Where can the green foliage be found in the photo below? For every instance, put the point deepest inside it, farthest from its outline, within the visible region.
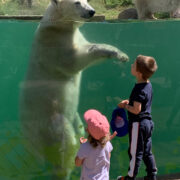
(118, 2)
(162, 15)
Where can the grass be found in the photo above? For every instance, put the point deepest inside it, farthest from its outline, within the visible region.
(12, 7)
(110, 11)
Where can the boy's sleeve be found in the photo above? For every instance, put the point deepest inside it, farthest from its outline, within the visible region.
(83, 151)
(140, 96)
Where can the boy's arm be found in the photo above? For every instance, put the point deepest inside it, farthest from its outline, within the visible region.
(78, 162)
(135, 109)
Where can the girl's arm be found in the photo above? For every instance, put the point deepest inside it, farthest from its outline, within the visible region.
(78, 162)
(113, 135)
(135, 109)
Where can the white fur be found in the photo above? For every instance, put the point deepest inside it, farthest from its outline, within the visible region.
(50, 92)
(146, 8)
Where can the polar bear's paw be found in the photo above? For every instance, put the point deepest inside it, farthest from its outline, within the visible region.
(122, 57)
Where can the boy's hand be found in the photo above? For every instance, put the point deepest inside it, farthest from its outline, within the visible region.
(123, 103)
(82, 140)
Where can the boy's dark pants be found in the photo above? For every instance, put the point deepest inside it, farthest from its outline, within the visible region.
(140, 146)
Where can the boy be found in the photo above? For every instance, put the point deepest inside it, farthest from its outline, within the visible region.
(140, 120)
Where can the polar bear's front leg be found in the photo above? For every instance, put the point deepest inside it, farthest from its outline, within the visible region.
(94, 53)
(106, 51)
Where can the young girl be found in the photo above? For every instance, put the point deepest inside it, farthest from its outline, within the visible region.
(94, 153)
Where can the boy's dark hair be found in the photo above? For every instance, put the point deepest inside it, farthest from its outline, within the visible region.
(146, 65)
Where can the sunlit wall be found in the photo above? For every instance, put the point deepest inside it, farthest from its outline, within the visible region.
(102, 87)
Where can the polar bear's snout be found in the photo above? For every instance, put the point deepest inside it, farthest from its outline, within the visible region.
(88, 14)
(91, 13)
(87, 11)
(84, 9)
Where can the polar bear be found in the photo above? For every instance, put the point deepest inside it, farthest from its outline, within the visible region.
(146, 8)
(176, 13)
(50, 91)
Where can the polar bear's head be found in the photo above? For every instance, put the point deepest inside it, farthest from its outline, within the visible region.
(72, 9)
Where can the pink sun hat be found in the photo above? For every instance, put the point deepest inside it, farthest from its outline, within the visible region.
(98, 125)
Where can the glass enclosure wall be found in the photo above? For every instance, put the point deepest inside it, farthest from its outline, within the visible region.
(102, 86)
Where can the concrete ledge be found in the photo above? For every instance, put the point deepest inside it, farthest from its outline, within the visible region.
(34, 17)
(167, 177)
(39, 17)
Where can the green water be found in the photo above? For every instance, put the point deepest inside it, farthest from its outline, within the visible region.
(102, 87)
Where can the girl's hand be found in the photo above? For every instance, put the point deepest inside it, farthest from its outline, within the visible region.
(113, 135)
(82, 140)
(123, 103)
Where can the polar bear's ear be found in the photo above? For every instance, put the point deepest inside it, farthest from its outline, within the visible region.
(54, 1)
